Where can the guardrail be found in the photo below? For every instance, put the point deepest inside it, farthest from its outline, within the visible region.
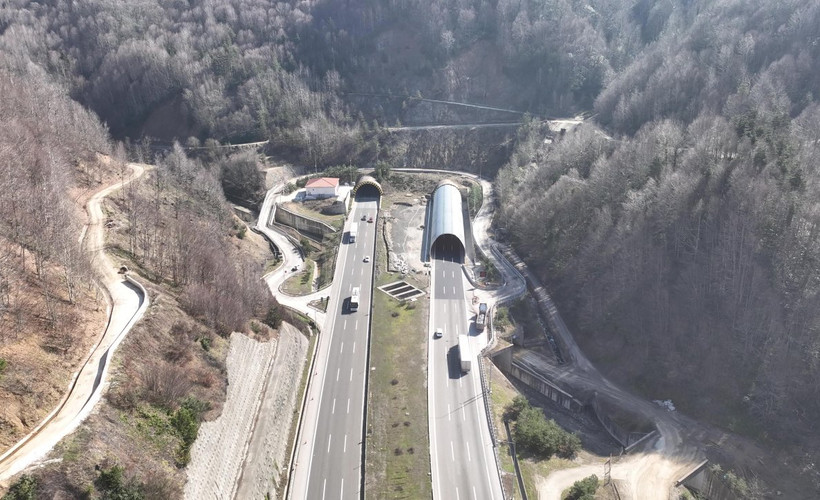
(485, 389)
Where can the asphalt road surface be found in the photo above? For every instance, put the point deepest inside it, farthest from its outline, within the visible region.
(462, 458)
(335, 467)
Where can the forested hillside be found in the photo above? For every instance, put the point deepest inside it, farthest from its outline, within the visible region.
(685, 249)
(677, 228)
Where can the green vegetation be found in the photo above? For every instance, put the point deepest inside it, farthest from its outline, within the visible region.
(301, 282)
(185, 422)
(475, 195)
(25, 488)
(583, 489)
(537, 435)
(3, 365)
(113, 485)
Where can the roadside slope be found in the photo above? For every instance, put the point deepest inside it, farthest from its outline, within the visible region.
(127, 302)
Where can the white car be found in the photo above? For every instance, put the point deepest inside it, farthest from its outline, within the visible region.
(438, 333)
(367, 258)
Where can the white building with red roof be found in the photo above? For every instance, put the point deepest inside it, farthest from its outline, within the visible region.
(322, 187)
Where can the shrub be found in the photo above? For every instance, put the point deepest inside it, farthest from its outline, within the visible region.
(114, 486)
(273, 318)
(185, 422)
(583, 489)
(514, 409)
(24, 489)
(542, 437)
(165, 384)
(3, 365)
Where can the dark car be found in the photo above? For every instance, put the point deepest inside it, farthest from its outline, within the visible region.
(364, 217)
(294, 268)
(370, 219)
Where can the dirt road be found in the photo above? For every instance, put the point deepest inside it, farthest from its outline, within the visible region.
(127, 302)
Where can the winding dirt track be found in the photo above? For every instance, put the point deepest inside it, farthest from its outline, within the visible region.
(127, 301)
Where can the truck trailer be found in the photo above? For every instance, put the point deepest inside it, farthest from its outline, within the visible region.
(481, 317)
(465, 354)
(351, 235)
(354, 300)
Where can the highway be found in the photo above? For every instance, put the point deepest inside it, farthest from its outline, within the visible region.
(462, 459)
(336, 455)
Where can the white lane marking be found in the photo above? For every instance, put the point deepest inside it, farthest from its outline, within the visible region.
(354, 347)
(443, 291)
(362, 273)
(452, 451)
(453, 274)
(337, 374)
(352, 270)
(468, 451)
(342, 349)
(454, 290)
(348, 405)
(329, 439)
(344, 325)
(448, 411)
(458, 497)
(474, 495)
(342, 490)
(344, 447)
(351, 374)
(333, 410)
(324, 485)
(463, 413)
(460, 381)
(442, 273)
(357, 325)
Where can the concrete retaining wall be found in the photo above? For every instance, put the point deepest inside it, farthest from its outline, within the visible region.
(708, 485)
(536, 381)
(301, 223)
(625, 438)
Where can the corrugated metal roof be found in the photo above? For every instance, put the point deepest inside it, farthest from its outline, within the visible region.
(447, 213)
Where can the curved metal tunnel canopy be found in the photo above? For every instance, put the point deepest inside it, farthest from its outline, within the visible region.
(447, 215)
(368, 183)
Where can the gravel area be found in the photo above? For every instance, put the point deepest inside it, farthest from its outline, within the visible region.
(405, 221)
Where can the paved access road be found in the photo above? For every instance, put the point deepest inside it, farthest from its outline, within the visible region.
(462, 458)
(335, 465)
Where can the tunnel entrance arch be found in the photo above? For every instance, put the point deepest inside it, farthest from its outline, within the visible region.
(447, 223)
(367, 188)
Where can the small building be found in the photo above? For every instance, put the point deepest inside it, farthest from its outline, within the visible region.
(322, 187)
(342, 202)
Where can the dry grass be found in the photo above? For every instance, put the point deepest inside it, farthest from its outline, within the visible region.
(398, 458)
(301, 282)
(313, 209)
(41, 350)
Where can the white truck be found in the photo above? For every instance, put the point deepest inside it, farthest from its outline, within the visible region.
(351, 235)
(481, 317)
(465, 354)
(354, 300)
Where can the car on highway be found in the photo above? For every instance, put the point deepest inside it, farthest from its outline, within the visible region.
(370, 219)
(364, 217)
(294, 268)
(438, 334)
(367, 258)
